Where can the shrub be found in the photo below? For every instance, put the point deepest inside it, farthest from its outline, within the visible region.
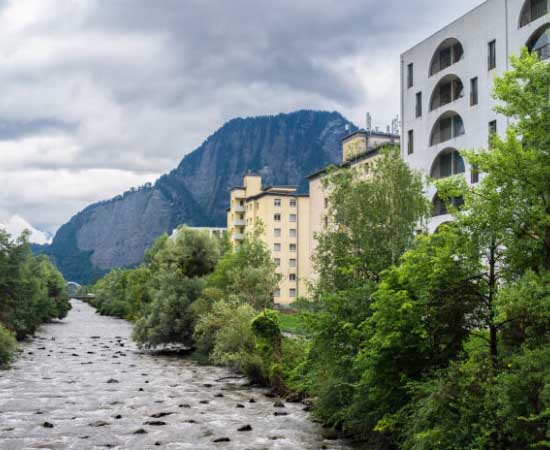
(8, 347)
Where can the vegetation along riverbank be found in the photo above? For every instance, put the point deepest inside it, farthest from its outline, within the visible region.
(410, 341)
(32, 291)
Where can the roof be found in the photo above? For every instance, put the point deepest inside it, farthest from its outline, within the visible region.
(375, 133)
(363, 156)
(275, 194)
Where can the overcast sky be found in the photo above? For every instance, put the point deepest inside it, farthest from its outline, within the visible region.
(101, 95)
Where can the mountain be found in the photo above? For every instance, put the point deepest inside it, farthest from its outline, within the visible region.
(16, 224)
(284, 149)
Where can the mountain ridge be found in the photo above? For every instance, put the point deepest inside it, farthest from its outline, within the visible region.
(283, 148)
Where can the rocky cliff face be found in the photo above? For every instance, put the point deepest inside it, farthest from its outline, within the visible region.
(284, 149)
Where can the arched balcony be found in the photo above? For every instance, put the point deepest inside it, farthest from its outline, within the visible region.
(448, 90)
(532, 10)
(440, 206)
(448, 53)
(540, 42)
(446, 164)
(449, 125)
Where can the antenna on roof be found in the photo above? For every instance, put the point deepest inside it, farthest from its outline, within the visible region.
(369, 122)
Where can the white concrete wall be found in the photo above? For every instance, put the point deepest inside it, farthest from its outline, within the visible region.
(493, 20)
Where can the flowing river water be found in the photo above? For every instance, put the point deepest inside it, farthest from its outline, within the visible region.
(82, 384)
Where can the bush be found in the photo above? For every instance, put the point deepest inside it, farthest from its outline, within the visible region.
(8, 347)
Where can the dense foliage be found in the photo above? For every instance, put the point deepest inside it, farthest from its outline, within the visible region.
(32, 291)
(444, 343)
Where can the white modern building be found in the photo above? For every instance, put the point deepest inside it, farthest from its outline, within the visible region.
(447, 82)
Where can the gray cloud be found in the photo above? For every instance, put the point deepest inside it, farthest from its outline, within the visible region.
(125, 88)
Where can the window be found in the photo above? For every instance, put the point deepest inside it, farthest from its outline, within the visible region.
(292, 232)
(277, 232)
(410, 142)
(277, 293)
(448, 126)
(277, 217)
(292, 248)
(276, 247)
(293, 203)
(292, 262)
(292, 217)
(540, 42)
(410, 75)
(292, 276)
(448, 163)
(475, 175)
(473, 92)
(292, 292)
(492, 128)
(449, 89)
(277, 202)
(277, 261)
(440, 206)
(418, 104)
(326, 202)
(325, 220)
(492, 57)
(533, 10)
(448, 53)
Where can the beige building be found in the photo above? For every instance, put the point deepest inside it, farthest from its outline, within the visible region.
(359, 151)
(284, 215)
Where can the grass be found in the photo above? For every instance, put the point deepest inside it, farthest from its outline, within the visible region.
(291, 323)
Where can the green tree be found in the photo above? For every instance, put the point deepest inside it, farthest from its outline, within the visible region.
(372, 221)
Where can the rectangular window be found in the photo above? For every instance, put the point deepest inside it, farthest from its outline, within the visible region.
(292, 218)
(292, 292)
(292, 232)
(277, 202)
(419, 104)
(292, 248)
(277, 232)
(492, 56)
(292, 276)
(293, 203)
(326, 202)
(277, 217)
(292, 262)
(277, 293)
(492, 128)
(276, 247)
(475, 175)
(410, 75)
(473, 92)
(277, 261)
(325, 220)
(410, 142)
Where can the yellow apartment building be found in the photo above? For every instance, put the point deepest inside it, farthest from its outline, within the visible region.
(360, 150)
(285, 217)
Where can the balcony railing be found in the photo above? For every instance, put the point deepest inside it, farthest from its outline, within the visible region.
(238, 208)
(238, 236)
(239, 222)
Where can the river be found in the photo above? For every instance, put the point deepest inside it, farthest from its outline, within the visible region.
(82, 384)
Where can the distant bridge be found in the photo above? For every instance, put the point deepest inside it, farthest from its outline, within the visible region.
(75, 291)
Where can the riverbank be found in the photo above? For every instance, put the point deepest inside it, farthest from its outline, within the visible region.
(82, 384)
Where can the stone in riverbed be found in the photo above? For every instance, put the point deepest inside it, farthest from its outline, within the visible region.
(278, 404)
(140, 431)
(47, 425)
(222, 439)
(280, 413)
(155, 423)
(111, 381)
(161, 414)
(245, 428)
(99, 423)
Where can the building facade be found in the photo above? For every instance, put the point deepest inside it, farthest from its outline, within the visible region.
(447, 83)
(360, 150)
(284, 216)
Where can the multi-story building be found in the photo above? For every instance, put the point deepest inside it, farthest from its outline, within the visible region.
(359, 150)
(447, 82)
(284, 216)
